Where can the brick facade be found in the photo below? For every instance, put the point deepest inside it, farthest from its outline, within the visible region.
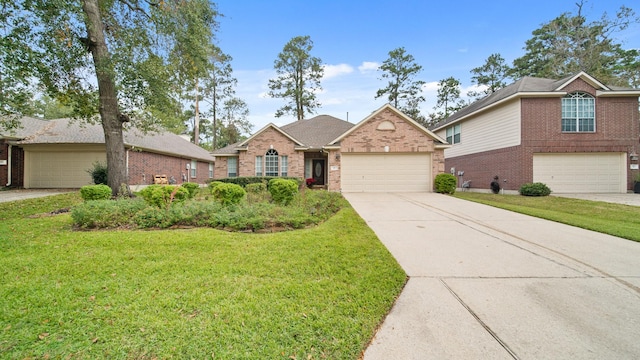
(144, 165)
(271, 138)
(17, 165)
(617, 130)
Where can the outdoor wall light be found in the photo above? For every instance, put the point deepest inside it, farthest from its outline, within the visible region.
(337, 156)
(386, 148)
(633, 157)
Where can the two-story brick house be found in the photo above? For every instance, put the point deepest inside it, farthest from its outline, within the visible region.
(385, 152)
(575, 135)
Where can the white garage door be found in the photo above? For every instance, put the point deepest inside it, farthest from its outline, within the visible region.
(386, 172)
(581, 172)
(60, 169)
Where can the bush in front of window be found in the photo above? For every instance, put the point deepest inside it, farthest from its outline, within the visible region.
(282, 190)
(445, 183)
(192, 188)
(228, 194)
(246, 180)
(95, 192)
(534, 189)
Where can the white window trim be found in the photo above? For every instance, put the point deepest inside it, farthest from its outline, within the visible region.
(194, 165)
(575, 100)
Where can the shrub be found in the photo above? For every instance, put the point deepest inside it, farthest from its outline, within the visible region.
(98, 173)
(256, 188)
(228, 194)
(162, 196)
(213, 184)
(282, 191)
(106, 213)
(534, 189)
(445, 183)
(95, 192)
(246, 180)
(192, 188)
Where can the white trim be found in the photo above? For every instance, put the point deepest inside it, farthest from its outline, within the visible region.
(586, 77)
(611, 93)
(269, 125)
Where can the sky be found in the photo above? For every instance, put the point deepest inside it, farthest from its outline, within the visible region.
(353, 37)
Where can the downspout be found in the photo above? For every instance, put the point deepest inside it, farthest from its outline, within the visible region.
(9, 165)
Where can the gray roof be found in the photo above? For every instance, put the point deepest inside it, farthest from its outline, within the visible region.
(313, 133)
(317, 131)
(527, 84)
(67, 131)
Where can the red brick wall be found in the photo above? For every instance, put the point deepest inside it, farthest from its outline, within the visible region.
(259, 146)
(3, 168)
(617, 130)
(143, 166)
(17, 165)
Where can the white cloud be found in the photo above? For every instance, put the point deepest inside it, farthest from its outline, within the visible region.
(463, 50)
(368, 66)
(336, 70)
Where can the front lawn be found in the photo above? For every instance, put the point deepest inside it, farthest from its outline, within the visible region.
(614, 219)
(196, 293)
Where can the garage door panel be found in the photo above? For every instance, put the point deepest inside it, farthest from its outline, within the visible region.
(581, 172)
(61, 169)
(386, 172)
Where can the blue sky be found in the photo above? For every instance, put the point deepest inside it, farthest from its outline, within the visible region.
(353, 37)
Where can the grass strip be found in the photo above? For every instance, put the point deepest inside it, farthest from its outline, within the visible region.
(608, 218)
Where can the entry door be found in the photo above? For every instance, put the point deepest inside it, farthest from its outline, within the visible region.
(318, 171)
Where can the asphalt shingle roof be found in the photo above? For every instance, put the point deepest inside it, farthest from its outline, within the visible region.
(317, 131)
(67, 131)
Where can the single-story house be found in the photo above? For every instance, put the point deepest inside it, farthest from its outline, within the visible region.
(385, 152)
(576, 135)
(58, 153)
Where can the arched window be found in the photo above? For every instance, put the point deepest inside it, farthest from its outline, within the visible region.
(271, 163)
(578, 113)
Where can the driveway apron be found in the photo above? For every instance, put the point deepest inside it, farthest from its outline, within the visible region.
(486, 283)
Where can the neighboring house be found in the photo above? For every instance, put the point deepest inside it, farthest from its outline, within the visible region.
(58, 153)
(575, 135)
(385, 152)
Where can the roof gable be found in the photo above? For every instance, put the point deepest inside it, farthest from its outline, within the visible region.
(274, 127)
(584, 76)
(400, 114)
(317, 131)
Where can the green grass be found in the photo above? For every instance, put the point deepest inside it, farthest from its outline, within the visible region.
(198, 293)
(614, 219)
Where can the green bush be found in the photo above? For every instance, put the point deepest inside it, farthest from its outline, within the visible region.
(162, 196)
(256, 188)
(228, 194)
(534, 189)
(246, 180)
(98, 173)
(106, 213)
(213, 184)
(445, 183)
(95, 192)
(282, 190)
(192, 188)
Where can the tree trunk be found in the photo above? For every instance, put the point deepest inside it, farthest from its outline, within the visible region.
(109, 113)
(196, 120)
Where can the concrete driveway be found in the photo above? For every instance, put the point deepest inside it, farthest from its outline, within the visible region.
(486, 283)
(22, 194)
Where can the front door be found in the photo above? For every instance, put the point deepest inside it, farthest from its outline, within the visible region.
(318, 171)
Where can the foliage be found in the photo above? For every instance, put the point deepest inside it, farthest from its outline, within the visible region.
(245, 180)
(492, 75)
(282, 190)
(106, 213)
(98, 173)
(298, 79)
(448, 101)
(534, 189)
(445, 183)
(116, 292)
(613, 219)
(115, 56)
(256, 188)
(162, 196)
(192, 188)
(569, 44)
(403, 91)
(95, 192)
(228, 194)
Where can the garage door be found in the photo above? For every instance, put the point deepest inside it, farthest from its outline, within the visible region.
(386, 172)
(581, 172)
(60, 169)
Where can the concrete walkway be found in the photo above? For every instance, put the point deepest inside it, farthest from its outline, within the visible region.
(22, 194)
(486, 283)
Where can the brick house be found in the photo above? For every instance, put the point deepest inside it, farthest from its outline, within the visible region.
(575, 135)
(58, 153)
(385, 152)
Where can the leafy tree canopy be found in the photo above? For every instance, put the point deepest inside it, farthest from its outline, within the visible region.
(298, 80)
